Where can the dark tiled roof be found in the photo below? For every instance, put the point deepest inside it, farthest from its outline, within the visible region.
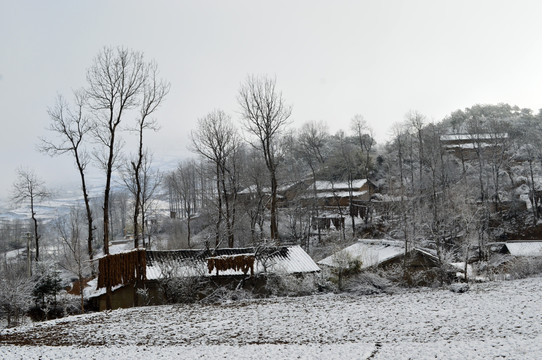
(182, 263)
(203, 254)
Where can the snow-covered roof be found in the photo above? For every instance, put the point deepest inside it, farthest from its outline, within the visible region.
(473, 137)
(184, 263)
(333, 194)
(370, 252)
(330, 185)
(252, 189)
(116, 247)
(468, 146)
(525, 248)
(91, 289)
(13, 254)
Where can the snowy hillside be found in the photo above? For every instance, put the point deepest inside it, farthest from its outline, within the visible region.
(497, 320)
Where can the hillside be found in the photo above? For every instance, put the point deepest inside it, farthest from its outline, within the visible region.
(492, 320)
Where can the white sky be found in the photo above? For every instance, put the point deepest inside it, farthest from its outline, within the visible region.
(332, 60)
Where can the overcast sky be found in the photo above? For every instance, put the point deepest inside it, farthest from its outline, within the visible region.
(331, 59)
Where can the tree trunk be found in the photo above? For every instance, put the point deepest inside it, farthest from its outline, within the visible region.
(229, 228)
(106, 217)
(534, 201)
(188, 228)
(350, 199)
(86, 198)
(314, 204)
(219, 206)
(137, 206)
(81, 288)
(137, 170)
(274, 224)
(36, 236)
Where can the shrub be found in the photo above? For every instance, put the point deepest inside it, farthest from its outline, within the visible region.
(291, 285)
(15, 298)
(45, 294)
(345, 266)
(187, 289)
(367, 283)
(523, 267)
(224, 294)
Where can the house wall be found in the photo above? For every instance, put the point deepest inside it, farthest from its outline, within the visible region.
(334, 201)
(124, 297)
(120, 298)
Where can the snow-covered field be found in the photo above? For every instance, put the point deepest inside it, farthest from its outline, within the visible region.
(497, 320)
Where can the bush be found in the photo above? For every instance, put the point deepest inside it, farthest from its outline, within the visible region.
(345, 266)
(520, 268)
(187, 289)
(367, 283)
(291, 285)
(15, 298)
(223, 294)
(65, 304)
(45, 293)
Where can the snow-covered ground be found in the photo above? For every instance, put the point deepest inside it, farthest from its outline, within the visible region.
(497, 320)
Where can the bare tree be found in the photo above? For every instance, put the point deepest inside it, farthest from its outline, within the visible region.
(216, 140)
(230, 189)
(142, 187)
(416, 120)
(73, 127)
(254, 197)
(183, 182)
(399, 148)
(265, 114)
(311, 146)
(364, 136)
(119, 213)
(70, 233)
(498, 130)
(151, 179)
(348, 162)
(529, 152)
(154, 92)
(28, 187)
(116, 81)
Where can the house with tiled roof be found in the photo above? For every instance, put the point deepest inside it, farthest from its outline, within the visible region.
(422, 265)
(338, 193)
(129, 271)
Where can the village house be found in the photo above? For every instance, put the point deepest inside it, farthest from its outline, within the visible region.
(466, 146)
(423, 266)
(129, 271)
(285, 193)
(325, 193)
(336, 200)
(334, 194)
